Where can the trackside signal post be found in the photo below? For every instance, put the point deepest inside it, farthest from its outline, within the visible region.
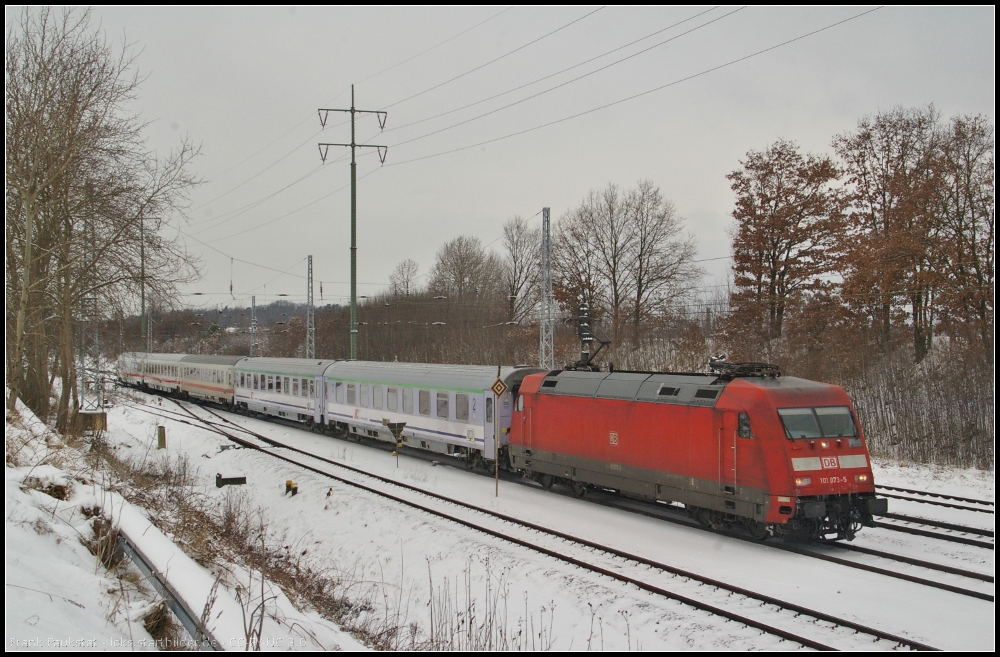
(382, 152)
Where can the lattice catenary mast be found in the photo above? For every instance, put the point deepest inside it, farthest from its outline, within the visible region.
(546, 346)
(310, 315)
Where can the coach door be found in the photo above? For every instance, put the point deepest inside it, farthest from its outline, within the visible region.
(727, 453)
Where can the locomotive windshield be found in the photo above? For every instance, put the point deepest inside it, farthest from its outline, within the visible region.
(822, 422)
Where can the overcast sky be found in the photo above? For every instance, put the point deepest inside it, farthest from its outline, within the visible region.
(246, 84)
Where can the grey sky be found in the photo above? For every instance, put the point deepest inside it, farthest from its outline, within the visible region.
(237, 80)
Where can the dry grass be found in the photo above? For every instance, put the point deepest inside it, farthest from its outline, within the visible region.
(218, 535)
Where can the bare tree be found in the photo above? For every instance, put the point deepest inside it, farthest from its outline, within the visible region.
(403, 279)
(614, 240)
(464, 271)
(83, 187)
(660, 265)
(576, 275)
(521, 246)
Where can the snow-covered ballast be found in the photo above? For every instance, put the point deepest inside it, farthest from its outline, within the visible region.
(449, 409)
(284, 387)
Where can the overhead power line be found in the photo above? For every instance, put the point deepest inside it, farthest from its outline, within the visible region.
(550, 75)
(492, 61)
(569, 82)
(339, 94)
(638, 95)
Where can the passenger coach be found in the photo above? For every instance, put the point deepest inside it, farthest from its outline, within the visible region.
(448, 409)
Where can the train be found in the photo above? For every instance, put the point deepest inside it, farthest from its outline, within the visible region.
(737, 446)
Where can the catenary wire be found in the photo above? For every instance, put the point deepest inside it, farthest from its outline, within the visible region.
(568, 82)
(634, 96)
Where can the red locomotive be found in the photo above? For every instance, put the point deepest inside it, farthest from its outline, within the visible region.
(743, 445)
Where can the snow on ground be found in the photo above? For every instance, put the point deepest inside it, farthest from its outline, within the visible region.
(963, 482)
(413, 557)
(58, 595)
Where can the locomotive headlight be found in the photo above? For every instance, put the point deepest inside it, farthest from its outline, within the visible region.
(803, 481)
(862, 478)
(825, 445)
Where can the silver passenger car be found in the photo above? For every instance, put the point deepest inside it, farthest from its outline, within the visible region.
(284, 387)
(449, 409)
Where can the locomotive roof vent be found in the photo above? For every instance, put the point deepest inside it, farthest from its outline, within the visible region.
(728, 371)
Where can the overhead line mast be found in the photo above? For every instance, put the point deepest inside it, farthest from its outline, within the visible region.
(382, 152)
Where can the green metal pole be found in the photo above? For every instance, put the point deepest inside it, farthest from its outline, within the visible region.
(142, 284)
(354, 241)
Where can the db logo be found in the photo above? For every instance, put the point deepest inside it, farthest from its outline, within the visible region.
(614, 438)
(829, 462)
(358, 410)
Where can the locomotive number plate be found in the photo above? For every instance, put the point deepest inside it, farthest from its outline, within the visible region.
(830, 462)
(614, 438)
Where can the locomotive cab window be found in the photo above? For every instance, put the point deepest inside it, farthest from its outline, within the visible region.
(836, 422)
(822, 422)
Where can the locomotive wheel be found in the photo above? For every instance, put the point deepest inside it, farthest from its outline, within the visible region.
(757, 529)
(546, 480)
(579, 489)
(703, 516)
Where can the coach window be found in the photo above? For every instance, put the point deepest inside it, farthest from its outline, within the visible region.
(312, 388)
(489, 409)
(408, 401)
(270, 382)
(365, 391)
(340, 392)
(391, 399)
(442, 404)
(377, 397)
(295, 387)
(307, 385)
(352, 397)
(424, 402)
(461, 407)
(277, 384)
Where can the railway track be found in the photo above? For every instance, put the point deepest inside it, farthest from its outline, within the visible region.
(615, 560)
(660, 512)
(942, 496)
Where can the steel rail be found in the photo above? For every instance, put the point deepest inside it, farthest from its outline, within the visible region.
(944, 504)
(589, 544)
(938, 535)
(941, 495)
(938, 523)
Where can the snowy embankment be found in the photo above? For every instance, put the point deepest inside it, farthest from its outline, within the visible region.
(60, 595)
